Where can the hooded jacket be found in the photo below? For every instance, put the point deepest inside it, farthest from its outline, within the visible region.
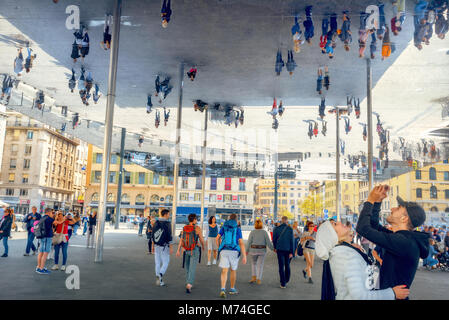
(402, 248)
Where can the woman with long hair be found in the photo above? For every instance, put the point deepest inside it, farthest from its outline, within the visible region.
(296, 236)
(308, 244)
(256, 246)
(211, 240)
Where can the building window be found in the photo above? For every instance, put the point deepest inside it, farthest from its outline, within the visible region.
(212, 197)
(12, 163)
(169, 199)
(140, 199)
(125, 198)
(243, 198)
(11, 178)
(141, 177)
(30, 135)
(228, 183)
(112, 176)
(418, 174)
(23, 192)
(419, 193)
(154, 198)
(213, 183)
(27, 149)
(97, 176)
(26, 163)
(242, 184)
(228, 198)
(197, 197)
(446, 194)
(25, 178)
(433, 192)
(446, 175)
(183, 196)
(9, 192)
(113, 159)
(14, 149)
(99, 158)
(432, 174)
(127, 177)
(155, 178)
(198, 183)
(185, 182)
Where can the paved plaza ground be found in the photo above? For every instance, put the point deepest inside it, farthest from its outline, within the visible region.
(127, 272)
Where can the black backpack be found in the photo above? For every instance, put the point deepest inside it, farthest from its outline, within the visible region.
(39, 230)
(161, 233)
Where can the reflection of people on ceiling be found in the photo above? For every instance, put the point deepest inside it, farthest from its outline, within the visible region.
(96, 96)
(237, 117)
(166, 13)
(140, 141)
(157, 85)
(310, 132)
(281, 109)
(192, 73)
(274, 109)
(242, 117)
(326, 78)
(279, 63)
(297, 36)
(149, 103)
(342, 147)
(308, 25)
(106, 43)
(291, 64)
(166, 116)
(315, 129)
(357, 108)
(345, 32)
(201, 105)
(322, 108)
(347, 125)
(157, 119)
(319, 81)
(275, 124)
(324, 128)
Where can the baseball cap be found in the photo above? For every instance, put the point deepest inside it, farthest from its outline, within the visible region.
(415, 212)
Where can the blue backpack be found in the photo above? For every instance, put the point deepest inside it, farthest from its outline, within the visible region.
(229, 238)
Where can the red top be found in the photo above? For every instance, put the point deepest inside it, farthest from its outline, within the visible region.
(323, 40)
(315, 132)
(59, 227)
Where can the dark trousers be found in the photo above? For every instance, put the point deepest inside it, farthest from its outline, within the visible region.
(150, 245)
(284, 266)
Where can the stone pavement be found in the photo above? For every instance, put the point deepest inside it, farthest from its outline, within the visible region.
(128, 273)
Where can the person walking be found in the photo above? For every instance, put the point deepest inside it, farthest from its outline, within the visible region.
(403, 246)
(75, 51)
(283, 243)
(256, 247)
(141, 221)
(319, 81)
(166, 13)
(297, 35)
(291, 64)
(308, 25)
(96, 95)
(230, 247)
(18, 63)
(45, 226)
(29, 220)
(386, 45)
(149, 233)
(29, 60)
(279, 63)
(192, 73)
(308, 244)
(77, 223)
(348, 273)
(72, 81)
(212, 248)
(85, 222)
(91, 230)
(162, 239)
(106, 43)
(346, 35)
(84, 51)
(296, 237)
(5, 230)
(190, 236)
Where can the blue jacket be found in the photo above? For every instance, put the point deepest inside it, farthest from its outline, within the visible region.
(284, 242)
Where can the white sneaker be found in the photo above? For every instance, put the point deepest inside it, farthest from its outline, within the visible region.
(208, 263)
(55, 267)
(215, 262)
(63, 268)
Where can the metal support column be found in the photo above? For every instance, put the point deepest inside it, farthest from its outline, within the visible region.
(109, 117)
(369, 113)
(177, 148)
(203, 182)
(337, 172)
(275, 209)
(120, 180)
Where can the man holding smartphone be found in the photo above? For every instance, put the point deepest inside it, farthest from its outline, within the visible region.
(403, 246)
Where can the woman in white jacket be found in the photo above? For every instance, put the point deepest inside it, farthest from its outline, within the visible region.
(353, 276)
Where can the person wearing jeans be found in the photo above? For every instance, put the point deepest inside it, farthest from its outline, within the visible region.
(5, 230)
(30, 219)
(191, 257)
(256, 246)
(141, 221)
(283, 243)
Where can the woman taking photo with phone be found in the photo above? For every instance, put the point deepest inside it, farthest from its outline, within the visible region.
(308, 244)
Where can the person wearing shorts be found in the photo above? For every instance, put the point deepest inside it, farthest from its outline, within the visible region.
(46, 242)
(308, 243)
(230, 258)
(212, 240)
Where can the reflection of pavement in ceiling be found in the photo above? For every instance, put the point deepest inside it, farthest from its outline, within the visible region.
(235, 48)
